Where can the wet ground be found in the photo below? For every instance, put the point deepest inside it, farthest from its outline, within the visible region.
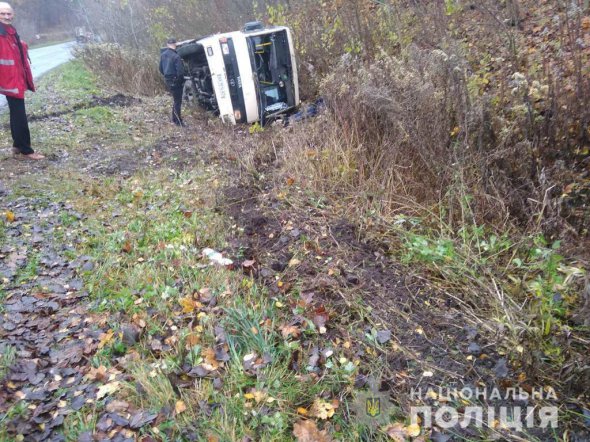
(424, 337)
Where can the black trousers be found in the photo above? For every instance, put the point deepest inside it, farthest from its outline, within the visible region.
(19, 125)
(176, 91)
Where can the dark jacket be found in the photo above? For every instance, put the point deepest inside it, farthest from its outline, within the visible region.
(171, 67)
(15, 71)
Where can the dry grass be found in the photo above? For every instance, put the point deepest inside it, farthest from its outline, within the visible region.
(126, 70)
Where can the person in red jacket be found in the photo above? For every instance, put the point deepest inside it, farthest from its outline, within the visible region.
(15, 79)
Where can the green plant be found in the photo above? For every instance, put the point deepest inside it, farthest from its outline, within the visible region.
(7, 358)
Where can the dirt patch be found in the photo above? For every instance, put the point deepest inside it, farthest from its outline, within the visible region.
(118, 100)
(430, 338)
(172, 152)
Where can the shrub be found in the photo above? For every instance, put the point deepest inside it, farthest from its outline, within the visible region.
(126, 70)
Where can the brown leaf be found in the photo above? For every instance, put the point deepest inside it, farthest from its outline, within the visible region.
(290, 330)
(211, 362)
(320, 317)
(127, 247)
(396, 432)
(248, 263)
(97, 374)
(307, 431)
(117, 406)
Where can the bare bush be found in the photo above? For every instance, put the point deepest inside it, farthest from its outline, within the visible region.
(126, 70)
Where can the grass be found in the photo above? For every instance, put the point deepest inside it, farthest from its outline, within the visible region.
(145, 233)
(7, 358)
(141, 255)
(65, 86)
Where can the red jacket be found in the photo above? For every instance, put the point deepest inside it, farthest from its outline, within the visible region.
(15, 71)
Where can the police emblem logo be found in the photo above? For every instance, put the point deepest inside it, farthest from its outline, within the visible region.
(373, 406)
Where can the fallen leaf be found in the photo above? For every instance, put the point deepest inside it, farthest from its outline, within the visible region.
(142, 418)
(320, 317)
(396, 432)
(383, 336)
(107, 389)
(307, 431)
(188, 304)
(179, 407)
(117, 406)
(322, 409)
(211, 362)
(413, 430)
(105, 338)
(97, 374)
(259, 396)
(290, 330)
(127, 247)
(10, 216)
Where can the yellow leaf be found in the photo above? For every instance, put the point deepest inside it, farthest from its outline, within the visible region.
(187, 304)
(107, 389)
(105, 338)
(413, 430)
(180, 407)
(10, 216)
(322, 409)
(259, 396)
(302, 411)
(249, 396)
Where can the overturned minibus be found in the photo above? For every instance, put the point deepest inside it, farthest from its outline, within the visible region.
(245, 76)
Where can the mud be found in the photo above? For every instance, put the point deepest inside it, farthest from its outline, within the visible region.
(436, 341)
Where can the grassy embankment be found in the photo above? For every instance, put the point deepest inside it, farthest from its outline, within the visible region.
(145, 230)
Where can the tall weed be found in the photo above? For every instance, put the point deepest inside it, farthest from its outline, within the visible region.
(123, 69)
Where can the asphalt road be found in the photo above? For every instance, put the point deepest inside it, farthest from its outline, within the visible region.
(45, 59)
